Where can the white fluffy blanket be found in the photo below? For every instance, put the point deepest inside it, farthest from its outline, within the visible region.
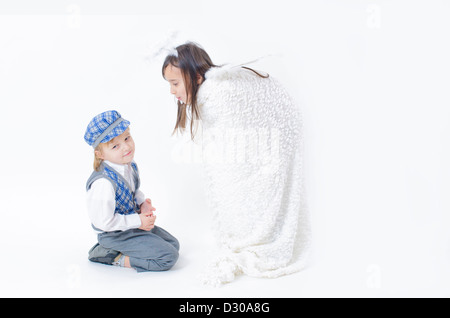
(252, 147)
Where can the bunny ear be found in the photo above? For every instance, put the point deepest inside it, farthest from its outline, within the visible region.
(166, 45)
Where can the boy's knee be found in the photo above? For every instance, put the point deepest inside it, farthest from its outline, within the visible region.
(176, 244)
(171, 260)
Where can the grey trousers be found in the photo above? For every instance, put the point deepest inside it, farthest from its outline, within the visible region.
(155, 250)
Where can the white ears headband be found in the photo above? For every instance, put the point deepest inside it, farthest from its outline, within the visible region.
(164, 46)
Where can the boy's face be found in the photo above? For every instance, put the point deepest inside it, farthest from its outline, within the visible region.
(120, 150)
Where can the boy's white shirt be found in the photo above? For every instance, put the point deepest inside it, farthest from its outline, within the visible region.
(101, 203)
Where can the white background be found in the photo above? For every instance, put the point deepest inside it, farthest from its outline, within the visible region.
(372, 79)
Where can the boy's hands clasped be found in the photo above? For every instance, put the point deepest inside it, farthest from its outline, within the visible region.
(147, 216)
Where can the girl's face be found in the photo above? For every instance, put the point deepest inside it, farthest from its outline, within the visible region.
(120, 150)
(173, 75)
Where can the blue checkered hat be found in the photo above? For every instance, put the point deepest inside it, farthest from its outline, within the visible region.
(105, 127)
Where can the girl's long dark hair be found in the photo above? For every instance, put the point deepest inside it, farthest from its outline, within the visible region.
(193, 61)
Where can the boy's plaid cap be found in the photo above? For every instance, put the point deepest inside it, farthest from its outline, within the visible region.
(105, 127)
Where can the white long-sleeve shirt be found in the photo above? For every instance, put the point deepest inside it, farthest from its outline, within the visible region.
(101, 203)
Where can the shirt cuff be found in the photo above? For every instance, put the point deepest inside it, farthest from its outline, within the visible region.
(140, 197)
(135, 221)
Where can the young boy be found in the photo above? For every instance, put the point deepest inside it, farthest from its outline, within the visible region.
(119, 212)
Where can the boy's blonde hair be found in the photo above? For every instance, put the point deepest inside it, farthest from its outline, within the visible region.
(97, 161)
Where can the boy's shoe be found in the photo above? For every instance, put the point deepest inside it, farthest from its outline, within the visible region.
(99, 254)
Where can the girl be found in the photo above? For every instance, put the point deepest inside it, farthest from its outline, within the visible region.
(251, 143)
(118, 210)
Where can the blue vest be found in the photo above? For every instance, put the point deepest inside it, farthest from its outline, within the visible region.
(125, 201)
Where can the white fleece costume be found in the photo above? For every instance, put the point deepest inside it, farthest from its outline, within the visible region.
(252, 147)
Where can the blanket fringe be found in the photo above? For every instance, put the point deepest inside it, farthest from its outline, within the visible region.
(222, 270)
